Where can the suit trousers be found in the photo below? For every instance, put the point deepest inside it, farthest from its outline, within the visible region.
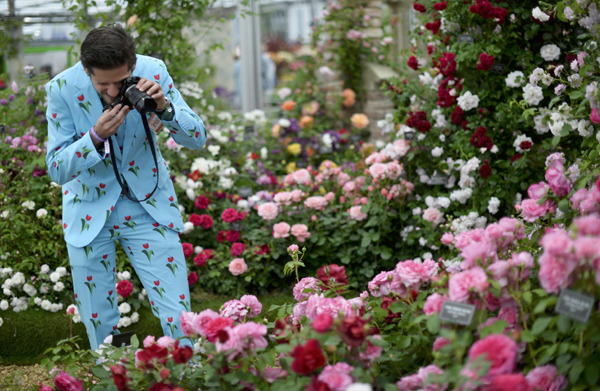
(156, 255)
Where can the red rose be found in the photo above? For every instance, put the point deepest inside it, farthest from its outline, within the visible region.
(419, 7)
(194, 219)
(221, 236)
(201, 202)
(229, 215)
(237, 249)
(192, 278)
(200, 259)
(515, 157)
(206, 221)
(119, 375)
(526, 145)
(440, 6)
(188, 249)
(183, 354)
(124, 288)
(241, 216)
(352, 330)
(232, 236)
(485, 62)
(151, 354)
(332, 274)
(260, 250)
(485, 171)
(413, 63)
(161, 387)
(322, 322)
(308, 357)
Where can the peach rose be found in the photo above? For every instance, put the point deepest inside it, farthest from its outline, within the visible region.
(359, 121)
(349, 97)
(306, 121)
(275, 130)
(300, 231)
(237, 266)
(281, 230)
(310, 108)
(288, 105)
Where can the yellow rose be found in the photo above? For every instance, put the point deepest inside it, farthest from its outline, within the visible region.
(295, 149)
(359, 121)
(291, 167)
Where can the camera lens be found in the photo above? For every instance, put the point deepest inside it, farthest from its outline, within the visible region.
(140, 100)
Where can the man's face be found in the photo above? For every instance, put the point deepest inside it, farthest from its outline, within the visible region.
(107, 82)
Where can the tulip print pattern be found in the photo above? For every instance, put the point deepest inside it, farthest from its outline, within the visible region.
(160, 230)
(129, 223)
(160, 290)
(91, 285)
(173, 327)
(105, 262)
(84, 105)
(84, 223)
(148, 253)
(172, 266)
(111, 299)
(184, 303)
(95, 322)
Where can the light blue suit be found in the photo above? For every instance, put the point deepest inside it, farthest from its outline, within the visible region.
(96, 215)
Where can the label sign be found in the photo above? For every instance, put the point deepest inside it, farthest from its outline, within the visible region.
(457, 313)
(574, 305)
(301, 164)
(409, 135)
(236, 225)
(497, 68)
(579, 32)
(466, 38)
(325, 150)
(438, 180)
(355, 138)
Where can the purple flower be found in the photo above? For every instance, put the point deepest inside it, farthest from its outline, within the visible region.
(30, 100)
(11, 97)
(3, 102)
(37, 172)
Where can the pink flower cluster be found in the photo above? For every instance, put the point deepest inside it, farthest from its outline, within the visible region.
(425, 374)
(241, 338)
(299, 177)
(407, 276)
(318, 304)
(306, 283)
(28, 141)
(337, 377)
(247, 306)
(283, 229)
(288, 197)
(268, 210)
(569, 254)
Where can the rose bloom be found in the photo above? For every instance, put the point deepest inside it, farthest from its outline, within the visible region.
(546, 378)
(229, 215)
(65, 382)
(232, 236)
(119, 375)
(237, 266)
(252, 302)
(537, 191)
(268, 211)
(297, 195)
(300, 231)
(188, 249)
(500, 350)
(206, 221)
(124, 288)
(357, 214)
(306, 121)
(281, 230)
(337, 376)
(310, 108)
(288, 105)
(283, 198)
(212, 327)
(447, 238)
(507, 382)
(302, 176)
(380, 285)
(433, 304)
(440, 342)
(237, 249)
(531, 211)
(378, 170)
(433, 215)
(308, 358)
(305, 283)
(558, 182)
(315, 202)
(359, 121)
(322, 322)
(372, 351)
(201, 202)
(349, 97)
(460, 284)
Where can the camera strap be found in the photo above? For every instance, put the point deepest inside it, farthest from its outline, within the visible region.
(125, 189)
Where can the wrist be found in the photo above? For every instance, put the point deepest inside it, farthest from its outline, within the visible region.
(96, 136)
(163, 106)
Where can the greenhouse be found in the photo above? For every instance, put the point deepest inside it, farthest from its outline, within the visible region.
(310, 195)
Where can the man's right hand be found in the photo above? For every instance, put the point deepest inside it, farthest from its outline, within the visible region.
(109, 122)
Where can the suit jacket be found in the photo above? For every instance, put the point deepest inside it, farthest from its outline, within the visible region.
(89, 186)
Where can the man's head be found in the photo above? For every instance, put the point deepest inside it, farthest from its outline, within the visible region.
(108, 57)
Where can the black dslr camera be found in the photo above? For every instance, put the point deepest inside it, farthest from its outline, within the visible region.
(130, 96)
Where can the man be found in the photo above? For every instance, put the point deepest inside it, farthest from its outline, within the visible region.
(96, 208)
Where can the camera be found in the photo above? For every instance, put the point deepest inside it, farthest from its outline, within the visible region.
(130, 96)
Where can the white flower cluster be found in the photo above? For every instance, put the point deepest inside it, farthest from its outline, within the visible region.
(538, 75)
(440, 119)
(493, 205)
(468, 222)
(405, 231)
(386, 125)
(438, 203)
(256, 117)
(515, 79)
(191, 89)
(533, 95)
(468, 101)
(461, 195)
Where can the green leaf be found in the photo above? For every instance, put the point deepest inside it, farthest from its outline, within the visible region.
(592, 375)
(575, 372)
(563, 205)
(366, 241)
(527, 297)
(495, 328)
(555, 140)
(576, 95)
(527, 336)
(541, 307)
(398, 306)
(540, 325)
(433, 324)
(563, 324)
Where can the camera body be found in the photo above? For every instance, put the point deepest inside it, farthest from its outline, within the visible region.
(130, 96)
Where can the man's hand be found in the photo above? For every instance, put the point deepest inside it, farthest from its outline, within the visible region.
(109, 122)
(155, 91)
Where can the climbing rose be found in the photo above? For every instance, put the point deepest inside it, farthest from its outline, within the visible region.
(124, 288)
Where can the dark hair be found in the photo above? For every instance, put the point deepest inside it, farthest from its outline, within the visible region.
(107, 47)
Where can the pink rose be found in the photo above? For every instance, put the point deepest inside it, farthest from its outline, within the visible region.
(558, 182)
(531, 211)
(412, 274)
(201, 320)
(252, 302)
(538, 191)
(322, 323)
(546, 378)
(478, 251)
(500, 350)
(65, 382)
(588, 225)
(316, 202)
(393, 170)
(557, 242)
(149, 340)
(268, 211)
(378, 171)
(306, 283)
(510, 315)
(447, 238)
(595, 116)
(433, 215)
(372, 351)
(234, 309)
(513, 225)
(579, 196)
(283, 198)
(357, 214)
(401, 147)
(460, 284)
(381, 284)
(553, 275)
(297, 195)
(165, 341)
(349, 187)
(337, 376)
(494, 231)
(281, 230)
(330, 196)
(433, 304)
(293, 248)
(440, 342)
(302, 176)
(237, 266)
(300, 231)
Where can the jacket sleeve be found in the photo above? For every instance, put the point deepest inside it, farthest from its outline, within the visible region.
(186, 127)
(68, 155)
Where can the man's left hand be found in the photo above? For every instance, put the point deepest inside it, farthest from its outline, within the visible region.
(155, 91)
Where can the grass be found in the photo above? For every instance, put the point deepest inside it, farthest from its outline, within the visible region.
(27, 334)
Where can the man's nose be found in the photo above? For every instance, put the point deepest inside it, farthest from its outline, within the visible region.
(113, 91)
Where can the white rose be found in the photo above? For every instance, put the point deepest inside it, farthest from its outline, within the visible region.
(533, 95)
(44, 269)
(28, 205)
(550, 52)
(124, 308)
(41, 212)
(437, 151)
(539, 15)
(62, 271)
(187, 227)
(59, 286)
(4, 215)
(514, 79)
(468, 101)
(214, 149)
(3, 305)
